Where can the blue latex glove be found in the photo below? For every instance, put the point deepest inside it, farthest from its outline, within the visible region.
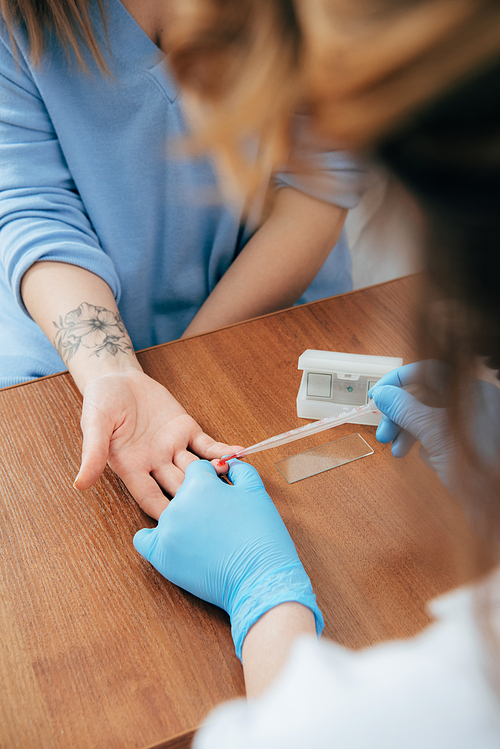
(406, 419)
(228, 545)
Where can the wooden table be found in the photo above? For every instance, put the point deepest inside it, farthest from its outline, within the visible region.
(97, 649)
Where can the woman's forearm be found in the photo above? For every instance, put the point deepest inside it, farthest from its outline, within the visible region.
(278, 263)
(129, 421)
(268, 643)
(77, 312)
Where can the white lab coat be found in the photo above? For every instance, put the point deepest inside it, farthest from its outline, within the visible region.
(428, 692)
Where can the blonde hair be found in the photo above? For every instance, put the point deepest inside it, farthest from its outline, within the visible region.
(240, 67)
(361, 68)
(69, 20)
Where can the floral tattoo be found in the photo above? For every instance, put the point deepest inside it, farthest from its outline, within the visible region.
(95, 328)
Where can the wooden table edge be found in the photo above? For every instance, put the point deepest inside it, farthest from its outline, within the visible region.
(179, 741)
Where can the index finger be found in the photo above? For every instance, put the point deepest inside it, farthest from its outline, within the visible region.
(430, 373)
(399, 377)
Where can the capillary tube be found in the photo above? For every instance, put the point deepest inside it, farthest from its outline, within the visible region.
(305, 431)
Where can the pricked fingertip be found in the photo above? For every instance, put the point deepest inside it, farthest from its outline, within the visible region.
(220, 466)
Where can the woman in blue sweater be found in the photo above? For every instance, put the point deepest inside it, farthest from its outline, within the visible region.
(109, 244)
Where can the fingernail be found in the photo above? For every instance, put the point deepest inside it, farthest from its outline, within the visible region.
(74, 482)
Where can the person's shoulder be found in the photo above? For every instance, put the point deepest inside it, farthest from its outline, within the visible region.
(14, 45)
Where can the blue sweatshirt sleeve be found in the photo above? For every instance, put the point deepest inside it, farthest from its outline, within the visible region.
(41, 214)
(333, 176)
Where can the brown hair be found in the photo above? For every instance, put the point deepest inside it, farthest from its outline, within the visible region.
(69, 20)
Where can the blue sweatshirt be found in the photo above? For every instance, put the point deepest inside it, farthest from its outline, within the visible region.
(85, 179)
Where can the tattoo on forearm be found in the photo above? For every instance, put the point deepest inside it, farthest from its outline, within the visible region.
(95, 328)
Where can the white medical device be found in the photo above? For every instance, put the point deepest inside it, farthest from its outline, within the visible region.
(334, 382)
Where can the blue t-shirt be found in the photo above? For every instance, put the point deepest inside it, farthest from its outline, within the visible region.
(85, 178)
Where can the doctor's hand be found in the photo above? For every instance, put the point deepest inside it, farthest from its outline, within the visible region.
(135, 425)
(406, 420)
(229, 546)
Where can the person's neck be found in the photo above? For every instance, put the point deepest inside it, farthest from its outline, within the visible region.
(153, 17)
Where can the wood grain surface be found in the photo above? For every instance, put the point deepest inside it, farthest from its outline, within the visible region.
(97, 650)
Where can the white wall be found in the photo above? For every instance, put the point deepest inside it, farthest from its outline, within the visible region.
(384, 233)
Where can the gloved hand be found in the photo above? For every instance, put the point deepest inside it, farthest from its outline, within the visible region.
(228, 545)
(406, 419)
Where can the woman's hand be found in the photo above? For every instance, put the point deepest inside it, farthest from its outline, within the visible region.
(228, 545)
(135, 425)
(129, 421)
